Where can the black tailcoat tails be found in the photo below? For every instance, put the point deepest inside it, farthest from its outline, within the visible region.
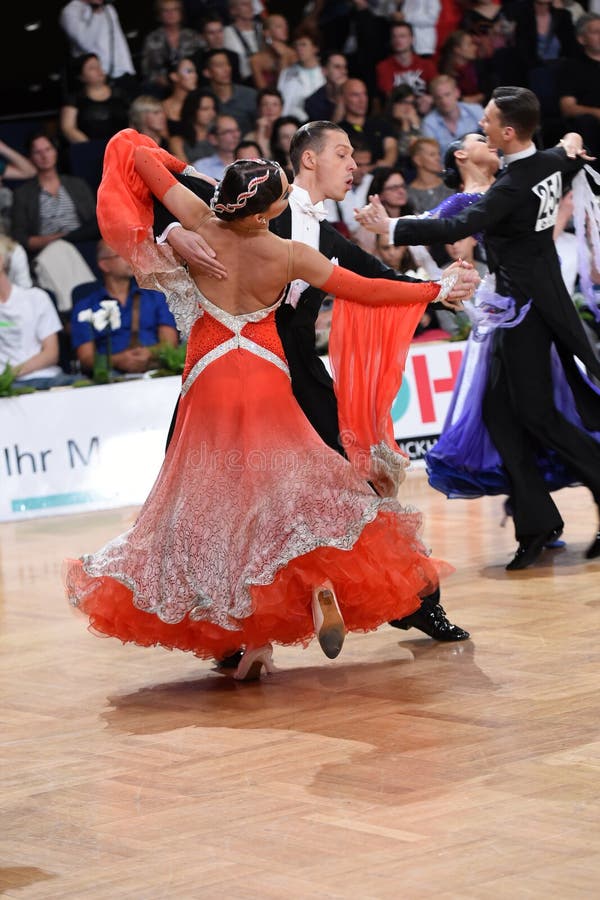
(517, 216)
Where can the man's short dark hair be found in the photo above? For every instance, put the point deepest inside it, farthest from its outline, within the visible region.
(214, 51)
(35, 136)
(407, 25)
(519, 109)
(246, 145)
(325, 57)
(310, 136)
(269, 92)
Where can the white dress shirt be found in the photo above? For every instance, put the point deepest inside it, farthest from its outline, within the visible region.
(306, 229)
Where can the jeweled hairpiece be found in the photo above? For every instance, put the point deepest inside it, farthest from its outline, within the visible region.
(242, 198)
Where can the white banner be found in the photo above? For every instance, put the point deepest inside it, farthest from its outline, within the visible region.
(74, 450)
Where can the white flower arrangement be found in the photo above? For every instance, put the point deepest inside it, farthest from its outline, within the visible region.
(106, 319)
(109, 315)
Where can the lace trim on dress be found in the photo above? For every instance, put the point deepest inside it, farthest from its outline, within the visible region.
(235, 323)
(189, 598)
(181, 294)
(387, 469)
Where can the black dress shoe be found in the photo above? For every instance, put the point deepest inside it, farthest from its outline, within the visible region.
(432, 620)
(593, 551)
(528, 550)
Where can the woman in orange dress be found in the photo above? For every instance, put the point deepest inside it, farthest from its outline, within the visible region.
(255, 531)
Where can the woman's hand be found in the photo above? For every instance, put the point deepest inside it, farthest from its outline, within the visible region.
(467, 280)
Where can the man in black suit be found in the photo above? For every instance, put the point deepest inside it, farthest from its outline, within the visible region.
(321, 155)
(517, 216)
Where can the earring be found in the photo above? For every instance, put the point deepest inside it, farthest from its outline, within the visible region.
(262, 220)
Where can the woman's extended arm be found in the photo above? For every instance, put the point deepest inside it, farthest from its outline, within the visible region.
(312, 266)
(156, 167)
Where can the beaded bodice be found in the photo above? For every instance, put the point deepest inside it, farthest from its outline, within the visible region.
(217, 333)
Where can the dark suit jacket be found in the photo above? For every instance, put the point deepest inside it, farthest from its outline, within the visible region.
(311, 382)
(26, 210)
(516, 216)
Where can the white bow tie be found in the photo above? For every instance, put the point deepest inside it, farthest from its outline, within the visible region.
(311, 209)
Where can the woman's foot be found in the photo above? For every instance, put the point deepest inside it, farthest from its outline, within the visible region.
(252, 662)
(329, 624)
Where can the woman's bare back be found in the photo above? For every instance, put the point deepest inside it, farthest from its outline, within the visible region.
(257, 263)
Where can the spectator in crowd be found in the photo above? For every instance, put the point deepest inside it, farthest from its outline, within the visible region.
(248, 150)
(403, 66)
(29, 327)
(183, 79)
(390, 186)
(284, 130)
(298, 82)
(16, 262)
(147, 115)
(450, 117)
(543, 35)
(492, 31)
(458, 59)
(354, 29)
(401, 113)
(16, 167)
(465, 249)
(566, 242)
(449, 19)
(426, 189)
(483, 19)
(166, 46)
(575, 9)
(93, 26)
(423, 16)
(579, 85)
(327, 102)
(224, 136)
(198, 114)
(235, 100)
(276, 53)
(269, 109)
(375, 130)
(243, 36)
(145, 319)
(52, 206)
(95, 111)
(212, 33)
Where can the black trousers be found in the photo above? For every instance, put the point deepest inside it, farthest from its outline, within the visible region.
(519, 413)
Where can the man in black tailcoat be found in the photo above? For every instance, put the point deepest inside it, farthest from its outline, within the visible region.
(321, 154)
(517, 216)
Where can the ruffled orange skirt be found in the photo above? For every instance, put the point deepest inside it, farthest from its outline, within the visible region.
(249, 512)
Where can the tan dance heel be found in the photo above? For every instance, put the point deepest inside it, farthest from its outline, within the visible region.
(252, 662)
(329, 624)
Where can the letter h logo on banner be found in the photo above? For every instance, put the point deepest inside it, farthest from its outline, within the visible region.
(427, 387)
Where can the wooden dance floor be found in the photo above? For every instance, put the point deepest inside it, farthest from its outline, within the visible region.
(403, 769)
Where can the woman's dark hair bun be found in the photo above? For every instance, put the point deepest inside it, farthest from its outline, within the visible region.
(248, 186)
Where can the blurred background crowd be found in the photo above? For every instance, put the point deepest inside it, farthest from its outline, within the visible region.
(219, 80)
